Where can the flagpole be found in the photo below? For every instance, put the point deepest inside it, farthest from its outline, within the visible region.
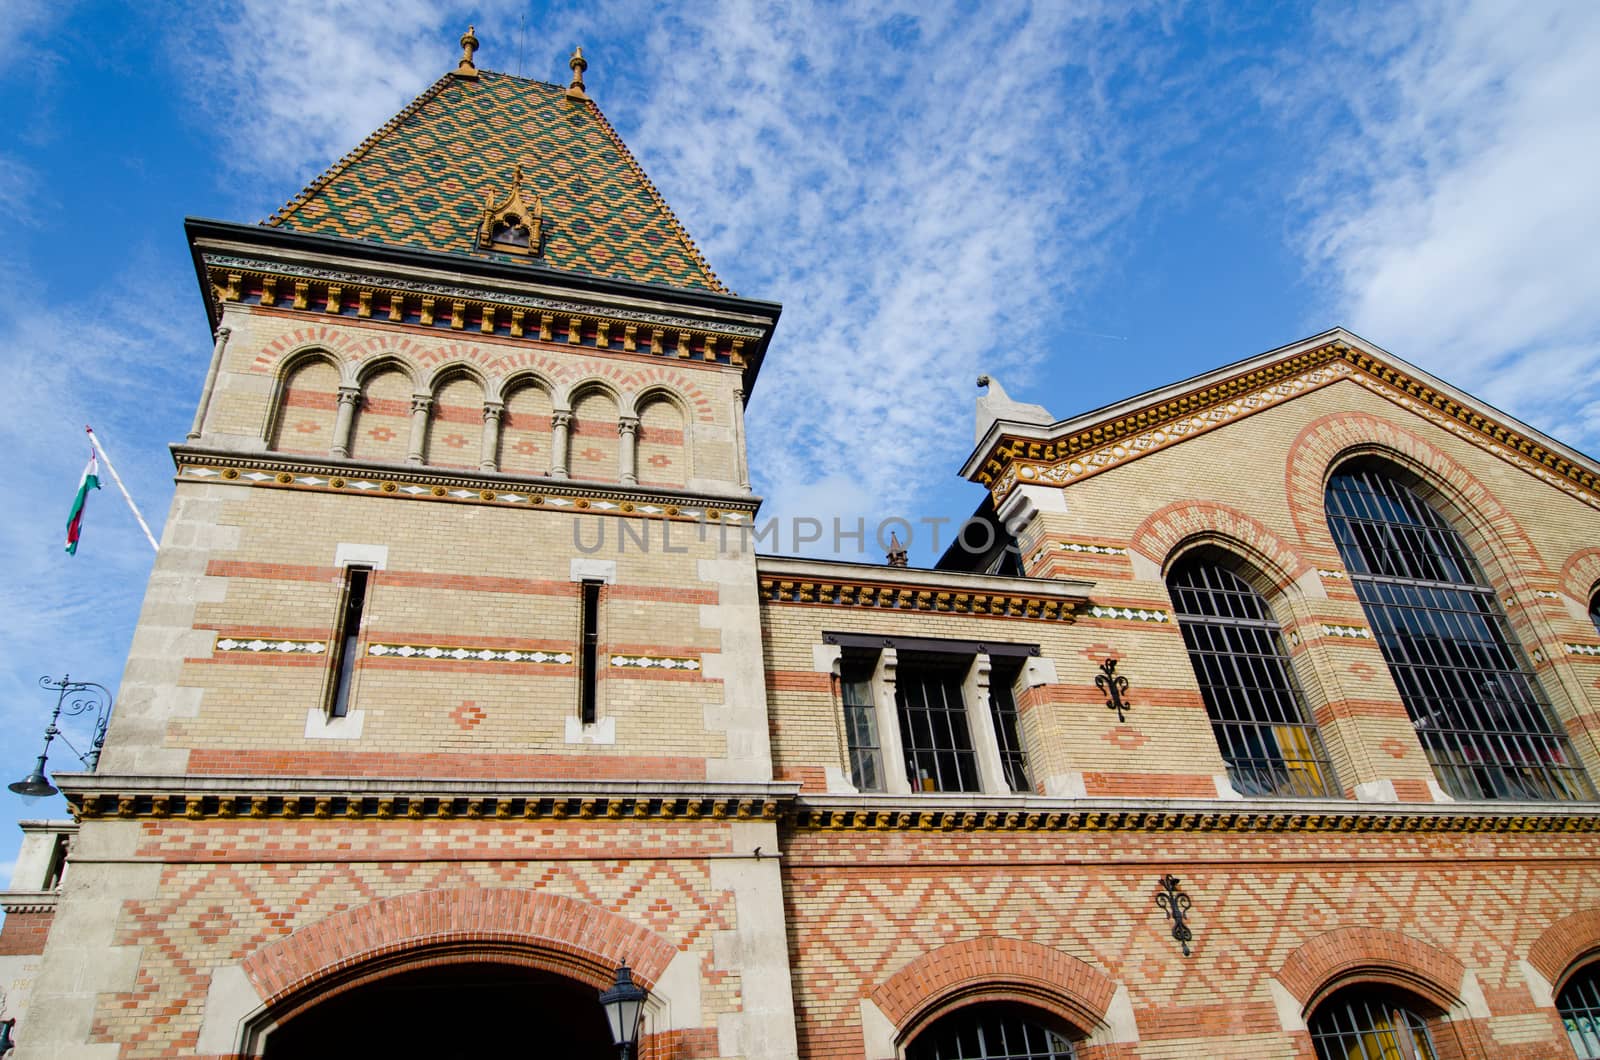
(101, 449)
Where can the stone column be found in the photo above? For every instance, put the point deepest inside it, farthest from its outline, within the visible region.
(980, 719)
(560, 423)
(895, 779)
(628, 450)
(211, 381)
(742, 457)
(349, 401)
(421, 405)
(492, 412)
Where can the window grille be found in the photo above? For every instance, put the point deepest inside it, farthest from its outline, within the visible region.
(1003, 709)
(1481, 717)
(1256, 709)
(861, 726)
(990, 1032)
(1358, 1023)
(1579, 1005)
(933, 724)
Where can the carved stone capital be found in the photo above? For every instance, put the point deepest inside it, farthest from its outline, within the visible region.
(420, 403)
(350, 395)
(628, 426)
(561, 419)
(493, 410)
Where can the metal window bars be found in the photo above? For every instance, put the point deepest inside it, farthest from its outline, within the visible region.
(1003, 709)
(1257, 711)
(1482, 719)
(933, 723)
(1360, 1024)
(1579, 1005)
(990, 1032)
(861, 729)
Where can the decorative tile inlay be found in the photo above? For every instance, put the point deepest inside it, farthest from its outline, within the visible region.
(1336, 575)
(1546, 594)
(1351, 632)
(1132, 614)
(1092, 549)
(262, 646)
(1582, 649)
(450, 653)
(647, 662)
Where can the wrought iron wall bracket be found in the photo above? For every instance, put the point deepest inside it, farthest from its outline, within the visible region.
(1175, 904)
(1115, 687)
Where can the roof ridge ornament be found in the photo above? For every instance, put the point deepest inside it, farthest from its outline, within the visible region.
(469, 44)
(515, 224)
(579, 64)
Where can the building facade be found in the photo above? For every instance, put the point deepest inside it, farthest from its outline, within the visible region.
(1255, 716)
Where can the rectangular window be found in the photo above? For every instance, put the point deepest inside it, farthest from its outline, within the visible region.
(589, 673)
(861, 724)
(345, 638)
(933, 723)
(1003, 709)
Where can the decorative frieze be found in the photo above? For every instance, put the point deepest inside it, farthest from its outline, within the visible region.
(1130, 614)
(1348, 632)
(1590, 650)
(266, 646)
(654, 662)
(456, 653)
(895, 596)
(436, 485)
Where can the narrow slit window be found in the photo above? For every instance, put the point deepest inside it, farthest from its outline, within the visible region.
(861, 725)
(590, 653)
(346, 638)
(1007, 735)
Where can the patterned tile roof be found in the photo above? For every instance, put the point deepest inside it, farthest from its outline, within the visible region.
(423, 178)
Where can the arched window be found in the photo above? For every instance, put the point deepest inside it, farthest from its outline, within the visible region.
(991, 1032)
(1579, 1005)
(1480, 715)
(1594, 611)
(1364, 1023)
(1256, 710)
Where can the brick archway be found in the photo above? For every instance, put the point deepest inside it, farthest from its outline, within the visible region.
(1567, 944)
(1580, 574)
(532, 929)
(1166, 529)
(1351, 954)
(994, 969)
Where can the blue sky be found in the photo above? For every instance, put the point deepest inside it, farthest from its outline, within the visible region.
(1086, 200)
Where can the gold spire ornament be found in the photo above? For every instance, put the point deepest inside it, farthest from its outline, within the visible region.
(469, 44)
(579, 64)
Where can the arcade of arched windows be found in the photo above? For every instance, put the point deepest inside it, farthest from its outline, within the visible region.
(383, 411)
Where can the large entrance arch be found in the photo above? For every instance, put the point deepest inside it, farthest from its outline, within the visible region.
(451, 1011)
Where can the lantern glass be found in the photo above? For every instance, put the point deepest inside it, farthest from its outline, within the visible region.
(624, 1004)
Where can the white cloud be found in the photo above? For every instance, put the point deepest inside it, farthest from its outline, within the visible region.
(922, 189)
(1454, 206)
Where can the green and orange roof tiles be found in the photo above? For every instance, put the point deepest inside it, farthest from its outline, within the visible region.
(423, 178)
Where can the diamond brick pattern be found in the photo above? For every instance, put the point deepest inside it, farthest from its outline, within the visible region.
(423, 179)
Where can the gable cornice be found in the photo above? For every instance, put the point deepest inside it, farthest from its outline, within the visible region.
(1070, 450)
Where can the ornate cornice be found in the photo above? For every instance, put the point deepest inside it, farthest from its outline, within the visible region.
(419, 482)
(1012, 459)
(28, 901)
(897, 595)
(93, 796)
(320, 291)
(1230, 816)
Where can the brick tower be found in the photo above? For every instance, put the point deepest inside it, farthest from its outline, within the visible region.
(443, 655)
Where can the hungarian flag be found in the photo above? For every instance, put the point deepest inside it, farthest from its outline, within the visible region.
(91, 481)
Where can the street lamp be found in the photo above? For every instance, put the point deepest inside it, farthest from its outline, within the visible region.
(73, 698)
(624, 1004)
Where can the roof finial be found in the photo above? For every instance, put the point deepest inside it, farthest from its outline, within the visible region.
(579, 64)
(469, 44)
(897, 552)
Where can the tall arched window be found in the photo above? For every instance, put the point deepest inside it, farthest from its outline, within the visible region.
(1480, 715)
(1365, 1023)
(1594, 611)
(1579, 1005)
(991, 1032)
(1256, 710)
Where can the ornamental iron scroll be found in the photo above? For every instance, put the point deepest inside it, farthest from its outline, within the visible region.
(1115, 687)
(1175, 904)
